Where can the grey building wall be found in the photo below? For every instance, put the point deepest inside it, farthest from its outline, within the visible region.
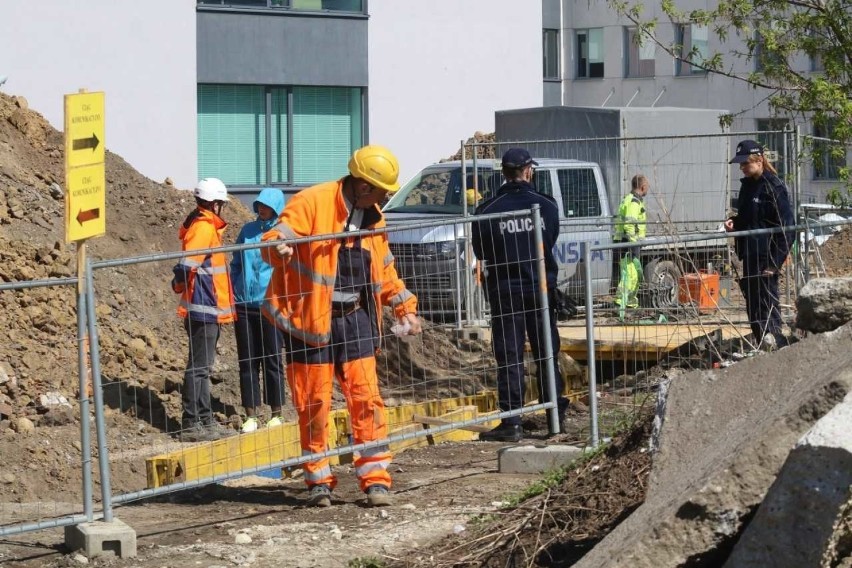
(142, 57)
(282, 49)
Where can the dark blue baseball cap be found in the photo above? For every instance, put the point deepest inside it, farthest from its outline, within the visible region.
(745, 149)
(517, 158)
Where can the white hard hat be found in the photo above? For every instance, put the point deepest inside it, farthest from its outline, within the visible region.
(211, 189)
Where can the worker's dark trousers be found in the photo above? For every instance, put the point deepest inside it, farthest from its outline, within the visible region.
(513, 319)
(196, 379)
(259, 345)
(761, 296)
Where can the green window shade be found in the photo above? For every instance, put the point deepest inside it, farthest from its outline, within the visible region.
(278, 136)
(326, 129)
(232, 133)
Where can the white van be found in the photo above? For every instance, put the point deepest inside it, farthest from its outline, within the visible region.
(431, 259)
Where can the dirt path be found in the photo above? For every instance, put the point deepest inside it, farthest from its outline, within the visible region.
(436, 490)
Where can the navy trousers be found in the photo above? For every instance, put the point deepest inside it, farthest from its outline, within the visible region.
(513, 320)
(259, 345)
(761, 296)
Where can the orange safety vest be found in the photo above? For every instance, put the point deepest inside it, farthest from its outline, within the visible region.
(203, 280)
(298, 299)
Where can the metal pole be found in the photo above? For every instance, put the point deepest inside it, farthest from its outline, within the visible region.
(459, 273)
(789, 268)
(100, 427)
(468, 249)
(803, 254)
(547, 354)
(83, 371)
(590, 346)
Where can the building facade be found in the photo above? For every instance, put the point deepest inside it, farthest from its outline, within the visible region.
(275, 92)
(282, 89)
(592, 59)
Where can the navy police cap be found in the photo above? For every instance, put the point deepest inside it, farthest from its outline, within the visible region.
(517, 158)
(745, 149)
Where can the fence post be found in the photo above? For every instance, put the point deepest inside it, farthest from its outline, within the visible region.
(590, 346)
(459, 269)
(547, 355)
(97, 388)
(83, 371)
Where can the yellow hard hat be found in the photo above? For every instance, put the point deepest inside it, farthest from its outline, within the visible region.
(377, 166)
(473, 196)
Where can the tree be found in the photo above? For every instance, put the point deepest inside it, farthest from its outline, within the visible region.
(777, 34)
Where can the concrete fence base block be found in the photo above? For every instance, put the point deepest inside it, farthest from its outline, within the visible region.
(793, 526)
(535, 459)
(478, 333)
(99, 538)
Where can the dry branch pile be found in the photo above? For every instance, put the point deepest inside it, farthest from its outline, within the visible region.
(558, 526)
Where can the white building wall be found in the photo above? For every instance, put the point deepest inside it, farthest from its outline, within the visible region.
(142, 58)
(439, 70)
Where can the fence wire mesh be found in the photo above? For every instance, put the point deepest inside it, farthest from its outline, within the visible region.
(188, 404)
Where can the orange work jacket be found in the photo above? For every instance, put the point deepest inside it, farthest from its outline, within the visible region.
(298, 299)
(203, 280)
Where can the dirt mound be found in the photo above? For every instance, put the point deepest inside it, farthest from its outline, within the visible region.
(487, 151)
(836, 253)
(141, 339)
(143, 345)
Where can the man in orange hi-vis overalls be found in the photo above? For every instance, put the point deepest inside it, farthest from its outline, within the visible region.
(327, 297)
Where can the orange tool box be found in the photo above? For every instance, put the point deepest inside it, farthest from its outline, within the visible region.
(701, 289)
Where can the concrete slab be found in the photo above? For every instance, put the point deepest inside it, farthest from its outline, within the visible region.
(535, 459)
(725, 436)
(794, 524)
(99, 538)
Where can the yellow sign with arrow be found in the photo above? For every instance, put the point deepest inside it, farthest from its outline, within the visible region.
(85, 180)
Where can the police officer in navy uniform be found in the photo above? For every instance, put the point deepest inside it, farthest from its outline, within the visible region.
(507, 247)
(763, 203)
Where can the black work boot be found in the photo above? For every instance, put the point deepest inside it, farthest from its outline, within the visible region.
(505, 432)
(195, 432)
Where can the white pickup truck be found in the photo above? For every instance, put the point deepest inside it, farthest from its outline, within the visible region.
(431, 259)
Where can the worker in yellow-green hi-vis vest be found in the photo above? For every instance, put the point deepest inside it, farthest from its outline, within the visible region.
(630, 228)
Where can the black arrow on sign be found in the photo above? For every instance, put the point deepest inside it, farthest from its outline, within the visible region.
(85, 143)
(88, 215)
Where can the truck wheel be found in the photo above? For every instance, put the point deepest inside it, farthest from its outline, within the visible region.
(661, 279)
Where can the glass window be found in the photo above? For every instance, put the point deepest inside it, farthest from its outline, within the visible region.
(439, 190)
(326, 121)
(326, 128)
(814, 39)
(579, 190)
(551, 50)
(279, 168)
(772, 139)
(307, 5)
(542, 182)
(762, 58)
(639, 58)
(817, 64)
(828, 156)
(693, 40)
(590, 53)
(232, 133)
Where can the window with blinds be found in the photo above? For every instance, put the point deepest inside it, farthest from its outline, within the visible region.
(326, 130)
(232, 133)
(311, 133)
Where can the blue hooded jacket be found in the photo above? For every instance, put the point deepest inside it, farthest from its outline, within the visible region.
(249, 273)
